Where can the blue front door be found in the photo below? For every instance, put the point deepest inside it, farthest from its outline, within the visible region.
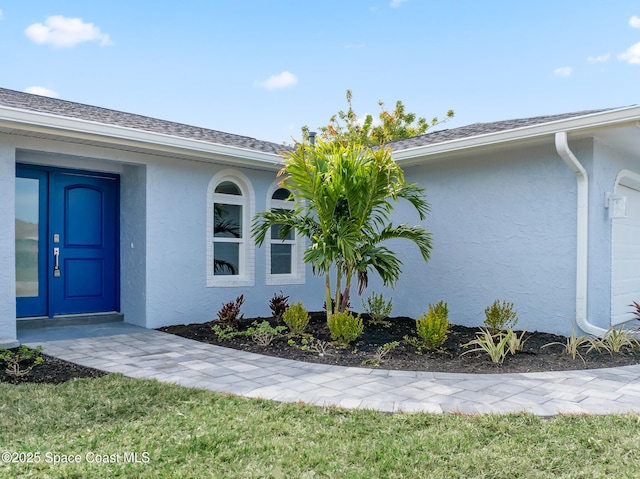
(75, 247)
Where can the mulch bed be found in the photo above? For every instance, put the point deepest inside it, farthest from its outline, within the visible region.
(449, 358)
(51, 371)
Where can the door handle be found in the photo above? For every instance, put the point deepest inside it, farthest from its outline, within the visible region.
(56, 265)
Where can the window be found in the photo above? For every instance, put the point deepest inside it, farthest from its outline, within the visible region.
(229, 246)
(284, 256)
(227, 229)
(281, 250)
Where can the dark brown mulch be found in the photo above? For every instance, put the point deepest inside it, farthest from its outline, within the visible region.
(403, 357)
(406, 357)
(51, 371)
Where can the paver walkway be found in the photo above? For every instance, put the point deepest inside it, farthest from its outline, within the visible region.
(144, 353)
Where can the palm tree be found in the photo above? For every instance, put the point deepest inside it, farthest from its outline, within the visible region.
(344, 197)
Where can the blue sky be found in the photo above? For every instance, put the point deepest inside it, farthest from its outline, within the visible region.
(265, 68)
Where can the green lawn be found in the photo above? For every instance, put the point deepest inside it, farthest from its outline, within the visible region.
(180, 432)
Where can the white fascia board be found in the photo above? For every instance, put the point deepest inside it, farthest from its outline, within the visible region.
(594, 121)
(65, 127)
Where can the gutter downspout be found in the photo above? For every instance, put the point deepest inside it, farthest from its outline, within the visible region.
(582, 236)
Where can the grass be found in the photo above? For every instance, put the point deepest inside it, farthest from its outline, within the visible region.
(189, 433)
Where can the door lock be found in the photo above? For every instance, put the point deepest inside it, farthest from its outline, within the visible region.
(56, 266)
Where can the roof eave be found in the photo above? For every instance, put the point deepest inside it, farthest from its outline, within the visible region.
(582, 124)
(114, 135)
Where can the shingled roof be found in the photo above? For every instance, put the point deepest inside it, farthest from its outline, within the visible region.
(68, 109)
(477, 129)
(72, 110)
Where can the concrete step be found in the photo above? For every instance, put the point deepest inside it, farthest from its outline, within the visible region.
(69, 320)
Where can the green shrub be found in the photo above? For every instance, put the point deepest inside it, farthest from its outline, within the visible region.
(500, 317)
(381, 354)
(485, 341)
(311, 344)
(296, 318)
(614, 341)
(21, 361)
(572, 345)
(378, 309)
(225, 333)
(497, 346)
(263, 333)
(515, 343)
(415, 342)
(432, 327)
(345, 327)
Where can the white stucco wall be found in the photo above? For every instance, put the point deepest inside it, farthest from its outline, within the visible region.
(7, 244)
(133, 248)
(176, 249)
(504, 227)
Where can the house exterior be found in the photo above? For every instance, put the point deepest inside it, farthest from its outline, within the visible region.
(542, 212)
(107, 212)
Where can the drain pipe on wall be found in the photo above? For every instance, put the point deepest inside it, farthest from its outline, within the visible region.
(582, 236)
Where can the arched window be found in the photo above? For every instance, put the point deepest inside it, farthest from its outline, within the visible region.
(229, 247)
(284, 255)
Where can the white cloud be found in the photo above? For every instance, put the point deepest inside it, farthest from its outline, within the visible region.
(275, 82)
(563, 72)
(632, 55)
(40, 90)
(61, 31)
(397, 3)
(600, 58)
(634, 22)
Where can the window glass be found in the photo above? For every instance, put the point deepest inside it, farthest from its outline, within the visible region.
(227, 220)
(281, 258)
(281, 248)
(282, 194)
(27, 236)
(275, 233)
(228, 188)
(227, 230)
(226, 258)
(275, 229)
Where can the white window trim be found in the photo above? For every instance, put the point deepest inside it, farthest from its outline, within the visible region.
(246, 276)
(298, 273)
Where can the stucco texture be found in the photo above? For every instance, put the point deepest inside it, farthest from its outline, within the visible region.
(504, 227)
(7, 244)
(176, 207)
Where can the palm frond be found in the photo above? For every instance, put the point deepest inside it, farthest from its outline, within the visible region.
(417, 234)
(344, 195)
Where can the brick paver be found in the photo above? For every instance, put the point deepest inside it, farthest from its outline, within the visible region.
(169, 358)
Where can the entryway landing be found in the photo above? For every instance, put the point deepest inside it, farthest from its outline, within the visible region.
(74, 327)
(69, 320)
